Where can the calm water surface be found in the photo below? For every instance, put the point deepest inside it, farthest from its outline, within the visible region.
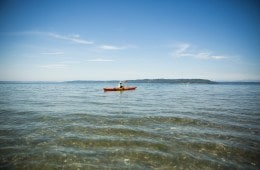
(157, 126)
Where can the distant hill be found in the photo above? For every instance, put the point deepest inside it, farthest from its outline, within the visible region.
(170, 81)
(174, 81)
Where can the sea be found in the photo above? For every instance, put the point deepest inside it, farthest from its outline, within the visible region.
(158, 126)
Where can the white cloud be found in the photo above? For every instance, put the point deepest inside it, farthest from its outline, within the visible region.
(187, 50)
(53, 53)
(209, 56)
(74, 38)
(54, 66)
(100, 60)
(75, 35)
(60, 65)
(182, 48)
(111, 47)
(70, 62)
(219, 57)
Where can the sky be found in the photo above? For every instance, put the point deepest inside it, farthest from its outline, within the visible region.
(62, 40)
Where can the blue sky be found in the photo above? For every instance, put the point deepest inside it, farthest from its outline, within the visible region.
(59, 40)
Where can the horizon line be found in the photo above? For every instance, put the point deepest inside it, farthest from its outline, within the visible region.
(113, 80)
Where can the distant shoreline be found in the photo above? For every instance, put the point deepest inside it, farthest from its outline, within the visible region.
(166, 81)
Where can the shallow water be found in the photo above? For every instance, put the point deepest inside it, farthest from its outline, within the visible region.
(156, 126)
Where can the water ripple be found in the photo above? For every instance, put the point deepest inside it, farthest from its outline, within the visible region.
(158, 126)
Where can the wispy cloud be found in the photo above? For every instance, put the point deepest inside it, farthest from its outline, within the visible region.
(71, 62)
(187, 50)
(208, 56)
(73, 38)
(54, 66)
(60, 65)
(53, 53)
(100, 60)
(181, 48)
(113, 47)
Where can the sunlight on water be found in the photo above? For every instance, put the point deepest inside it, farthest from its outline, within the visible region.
(157, 126)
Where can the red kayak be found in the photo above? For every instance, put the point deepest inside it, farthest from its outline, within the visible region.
(119, 89)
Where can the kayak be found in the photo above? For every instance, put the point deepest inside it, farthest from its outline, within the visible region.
(118, 88)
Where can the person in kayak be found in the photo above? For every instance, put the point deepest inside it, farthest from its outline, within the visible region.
(120, 84)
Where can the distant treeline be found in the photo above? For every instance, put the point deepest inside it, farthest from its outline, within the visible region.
(193, 81)
(169, 81)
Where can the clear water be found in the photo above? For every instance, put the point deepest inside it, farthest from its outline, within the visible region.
(157, 126)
